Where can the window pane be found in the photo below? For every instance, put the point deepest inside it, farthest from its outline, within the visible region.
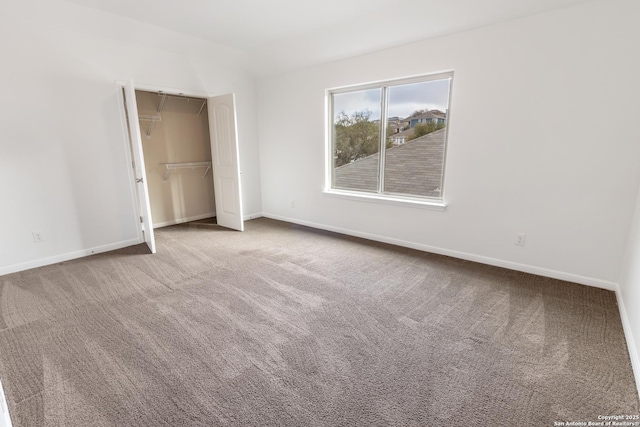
(416, 126)
(356, 140)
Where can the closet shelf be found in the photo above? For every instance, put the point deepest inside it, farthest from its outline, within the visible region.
(162, 101)
(184, 165)
(152, 119)
(166, 96)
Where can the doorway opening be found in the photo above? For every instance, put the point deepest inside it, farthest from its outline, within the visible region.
(177, 155)
(184, 153)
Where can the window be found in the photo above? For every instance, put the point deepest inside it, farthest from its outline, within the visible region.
(389, 139)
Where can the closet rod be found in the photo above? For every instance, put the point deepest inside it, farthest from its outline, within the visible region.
(145, 118)
(188, 98)
(182, 165)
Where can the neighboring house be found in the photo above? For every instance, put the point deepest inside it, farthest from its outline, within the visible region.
(414, 168)
(395, 124)
(401, 137)
(433, 116)
(404, 128)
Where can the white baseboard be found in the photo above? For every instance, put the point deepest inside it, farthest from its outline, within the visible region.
(5, 419)
(98, 249)
(252, 216)
(197, 217)
(554, 274)
(633, 350)
(67, 257)
(569, 277)
(183, 220)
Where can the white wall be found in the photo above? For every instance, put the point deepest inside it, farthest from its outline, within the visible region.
(63, 167)
(630, 290)
(543, 140)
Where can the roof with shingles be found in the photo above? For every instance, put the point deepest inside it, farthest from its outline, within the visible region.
(414, 168)
(434, 114)
(405, 133)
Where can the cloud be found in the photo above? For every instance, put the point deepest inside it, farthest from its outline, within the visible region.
(403, 99)
(430, 95)
(358, 101)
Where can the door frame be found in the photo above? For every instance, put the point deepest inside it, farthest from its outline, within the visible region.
(127, 152)
(130, 175)
(141, 193)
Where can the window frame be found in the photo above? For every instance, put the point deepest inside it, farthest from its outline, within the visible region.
(380, 196)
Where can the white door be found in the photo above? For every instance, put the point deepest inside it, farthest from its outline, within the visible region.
(226, 163)
(139, 171)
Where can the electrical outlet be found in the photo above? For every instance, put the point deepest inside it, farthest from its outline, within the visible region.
(293, 203)
(520, 239)
(37, 236)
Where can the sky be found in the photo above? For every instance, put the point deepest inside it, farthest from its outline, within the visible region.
(403, 99)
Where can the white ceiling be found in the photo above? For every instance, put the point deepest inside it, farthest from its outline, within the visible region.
(282, 34)
(243, 24)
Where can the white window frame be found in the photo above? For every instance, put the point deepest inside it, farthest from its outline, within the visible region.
(380, 196)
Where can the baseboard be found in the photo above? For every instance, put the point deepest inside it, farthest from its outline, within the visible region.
(197, 217)
(5, 419)
(626, 327)
(554, 274)
(183, 220)
(252, 216)
(67, 257)
(98, 249)
(569, 277)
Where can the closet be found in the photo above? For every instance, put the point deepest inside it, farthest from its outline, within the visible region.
(184, 158)
(177, 157)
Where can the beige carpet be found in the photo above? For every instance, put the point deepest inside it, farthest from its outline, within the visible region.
(284, 325)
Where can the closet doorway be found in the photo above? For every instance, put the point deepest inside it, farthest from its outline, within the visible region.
(185, 159)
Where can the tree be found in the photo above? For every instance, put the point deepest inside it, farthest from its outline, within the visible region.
(418, 113)
(356, 136)
(421, 129)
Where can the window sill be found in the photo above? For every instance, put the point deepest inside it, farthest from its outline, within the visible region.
(387, 200)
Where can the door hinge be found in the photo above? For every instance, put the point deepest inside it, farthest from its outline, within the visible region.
(141, 221)
(138, 180)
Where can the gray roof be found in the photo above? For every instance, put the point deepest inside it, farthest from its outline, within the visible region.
(405, 133)
(429, 114)
(414, 168)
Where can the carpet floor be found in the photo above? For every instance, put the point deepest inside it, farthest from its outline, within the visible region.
(284, 325)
